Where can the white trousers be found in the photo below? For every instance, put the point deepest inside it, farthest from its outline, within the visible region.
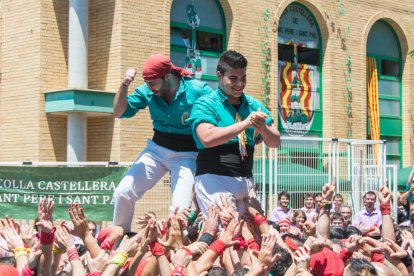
(150, 166)
(209, 187)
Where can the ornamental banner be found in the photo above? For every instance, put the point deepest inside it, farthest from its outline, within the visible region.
(21, 189)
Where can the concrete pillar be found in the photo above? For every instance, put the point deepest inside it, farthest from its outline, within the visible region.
(78, 44)
(77, 137)
(77, 77)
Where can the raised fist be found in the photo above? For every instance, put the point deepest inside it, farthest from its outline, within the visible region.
(129, 76)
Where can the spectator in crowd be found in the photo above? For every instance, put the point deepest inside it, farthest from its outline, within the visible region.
(298, 219)
(318, 202)
(309, 208)
(346, 213)
(410, 221)
(337, 203)
(283, 211)
(337, 220)
(369, 216)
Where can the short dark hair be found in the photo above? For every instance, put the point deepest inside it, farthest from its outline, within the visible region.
(338, 196)
(8, 261)
(284, 193)
(231, 59)
(307, 195)
(283, 263)
(370, 193)
(336, 232)
(337, 215)
(318, 195)
(240, 272)
(352, 230)
(361, 267)
(217, 271)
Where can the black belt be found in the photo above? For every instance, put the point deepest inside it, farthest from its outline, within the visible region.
(173, 141)
(225, 160)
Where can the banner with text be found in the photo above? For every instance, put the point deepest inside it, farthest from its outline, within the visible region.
(21, 189)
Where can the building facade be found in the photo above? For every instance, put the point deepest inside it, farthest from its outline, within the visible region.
(308, 62)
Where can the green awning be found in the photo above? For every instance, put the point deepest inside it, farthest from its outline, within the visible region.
(296, 177)
(403, 174)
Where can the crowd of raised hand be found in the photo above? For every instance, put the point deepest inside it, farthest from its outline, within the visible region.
(223, 243)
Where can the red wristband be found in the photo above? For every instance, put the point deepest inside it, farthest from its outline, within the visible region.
(156, 248)
(47, 238)
(345, 255)
(253, 245)
(259, 219)
(107, 244)
(72, 254)
(291, 244)
(178, 270)
(218, 246)
(241, 245)
(385, 209)
(188, 251)
(26, 271)
(377, 257)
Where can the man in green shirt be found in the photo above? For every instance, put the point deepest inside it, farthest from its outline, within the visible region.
(169, 93)
(226, 125)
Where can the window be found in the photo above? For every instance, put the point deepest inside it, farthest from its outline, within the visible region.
(383, 46)
(197, 37)
(299, 61)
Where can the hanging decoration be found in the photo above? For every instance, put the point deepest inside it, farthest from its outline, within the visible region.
(193, 59)
(266, 57)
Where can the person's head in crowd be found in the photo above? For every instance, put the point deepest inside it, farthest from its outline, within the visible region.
(336, 232)
(359, 267)
(92, 227)
(369, 200)
(299, 218)
(64, 267)
(346, 213)
(337, 220)
(284, 200)
(284, 226)
(283, 263)
(411, 214)
(318, 201)
(294, 231)
(351, 230)
(338, 201)
(399, 231)
(240, 272)
(309, 201)
(402, 214)
(217, 271)
(382, 269)
(10, 260)
(231, 73)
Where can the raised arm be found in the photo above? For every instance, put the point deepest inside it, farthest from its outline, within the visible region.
(120, 101)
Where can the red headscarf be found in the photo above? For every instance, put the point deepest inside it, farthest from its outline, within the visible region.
(158, 65)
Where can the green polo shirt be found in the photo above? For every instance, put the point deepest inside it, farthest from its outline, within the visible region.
(216, 110)
(168, 118)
